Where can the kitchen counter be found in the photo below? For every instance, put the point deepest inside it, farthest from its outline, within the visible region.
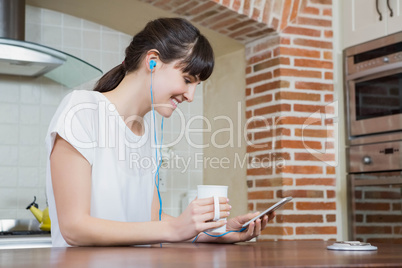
(260, 254)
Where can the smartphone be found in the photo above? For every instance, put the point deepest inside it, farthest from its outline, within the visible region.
(270, 209)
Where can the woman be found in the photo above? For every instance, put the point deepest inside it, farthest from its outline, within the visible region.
(96, 197)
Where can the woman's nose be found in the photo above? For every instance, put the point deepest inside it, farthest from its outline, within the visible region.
(189, 95)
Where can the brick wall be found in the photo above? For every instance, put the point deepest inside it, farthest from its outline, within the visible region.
(377, 217)
(289, 95)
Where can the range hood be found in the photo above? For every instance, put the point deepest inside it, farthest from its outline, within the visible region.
(19, 57)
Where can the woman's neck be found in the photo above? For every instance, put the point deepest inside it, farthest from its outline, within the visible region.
(132, 100)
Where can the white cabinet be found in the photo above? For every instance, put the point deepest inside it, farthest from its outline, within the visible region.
(361, 20)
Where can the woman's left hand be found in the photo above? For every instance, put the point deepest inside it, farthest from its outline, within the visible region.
(253, 230)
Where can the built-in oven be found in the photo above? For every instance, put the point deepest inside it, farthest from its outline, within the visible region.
(375, 192)
(373, 82)
(373, 91)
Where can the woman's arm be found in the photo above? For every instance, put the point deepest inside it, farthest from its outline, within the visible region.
(71, 179)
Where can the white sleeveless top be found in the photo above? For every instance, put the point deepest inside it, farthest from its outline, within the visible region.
(122, 163)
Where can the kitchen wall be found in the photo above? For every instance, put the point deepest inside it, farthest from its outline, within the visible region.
(28, 104)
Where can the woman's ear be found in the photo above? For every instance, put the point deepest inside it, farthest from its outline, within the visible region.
(152, 60)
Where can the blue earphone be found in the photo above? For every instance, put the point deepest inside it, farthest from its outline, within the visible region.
(152, 64)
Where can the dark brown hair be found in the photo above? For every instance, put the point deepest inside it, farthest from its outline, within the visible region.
(174, 39)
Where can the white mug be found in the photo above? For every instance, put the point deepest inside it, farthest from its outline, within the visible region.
(215, 191)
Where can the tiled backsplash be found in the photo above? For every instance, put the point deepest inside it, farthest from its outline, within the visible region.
(28, 104)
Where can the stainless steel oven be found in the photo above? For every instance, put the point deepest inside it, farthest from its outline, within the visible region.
(373, 82)
(373, 91)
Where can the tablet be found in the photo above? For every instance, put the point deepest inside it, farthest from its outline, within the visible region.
(272, 208)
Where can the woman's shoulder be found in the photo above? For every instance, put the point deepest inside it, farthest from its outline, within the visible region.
(82, 96)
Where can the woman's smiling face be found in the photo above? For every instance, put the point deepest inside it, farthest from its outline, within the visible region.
(171, 87)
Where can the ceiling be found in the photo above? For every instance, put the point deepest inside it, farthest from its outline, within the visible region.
(129, 16)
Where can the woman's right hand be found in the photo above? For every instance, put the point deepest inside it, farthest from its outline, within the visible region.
(198, 217)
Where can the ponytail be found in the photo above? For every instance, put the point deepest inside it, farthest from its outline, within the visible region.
(111, 79)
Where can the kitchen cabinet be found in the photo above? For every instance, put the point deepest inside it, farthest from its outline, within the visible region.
(361, 20)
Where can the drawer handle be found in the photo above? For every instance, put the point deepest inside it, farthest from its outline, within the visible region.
(378, 10)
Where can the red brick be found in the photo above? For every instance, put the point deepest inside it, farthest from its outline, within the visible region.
(330, 170)
(297, 73)
(259, 78)
(224, 23)
(314, 22)
(242, 31)
(273, 230)
(314, 157)
(328, 55)
(248, 91)
(259, 147)
(372, 206)
(265, 205)
(300, 193)
(236, 5)
(327, 12)
(302, 31)
(299, 218)
(276, 132)
(313, 108)
(286, 95)
(329, 76)
(263, 158)
(330, 194)
(328, 34)
(260, 195)
(315, 181)
(331, 218)
(272, 109)
(316, 230)
(259, 171)
(313, 63)
(273, 182)
(246, 7)
(250, 207)
(289, 120)
(329, 98)
(265, 123)
(312, 43)
(321, 2)
(295, 9)
(316, 205)
(260, 57)
(382, 195)
(297, 144)
(266, 13)
(299, 169)
(266, 44)
(311, 10)
(373, 230)
(285, 13)
(314, 86)
(266, 64)
(285, 41)
(271, 86)
(318, 133)
(299, 52)
(259, 100)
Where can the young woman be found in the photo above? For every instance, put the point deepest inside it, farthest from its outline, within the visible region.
(95, 195)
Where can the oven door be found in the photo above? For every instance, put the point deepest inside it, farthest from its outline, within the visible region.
(375, 103)
(375, 203)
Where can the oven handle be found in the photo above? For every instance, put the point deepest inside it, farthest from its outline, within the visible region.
(378, 10)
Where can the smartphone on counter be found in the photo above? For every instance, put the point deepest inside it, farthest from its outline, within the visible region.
(270, 209)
